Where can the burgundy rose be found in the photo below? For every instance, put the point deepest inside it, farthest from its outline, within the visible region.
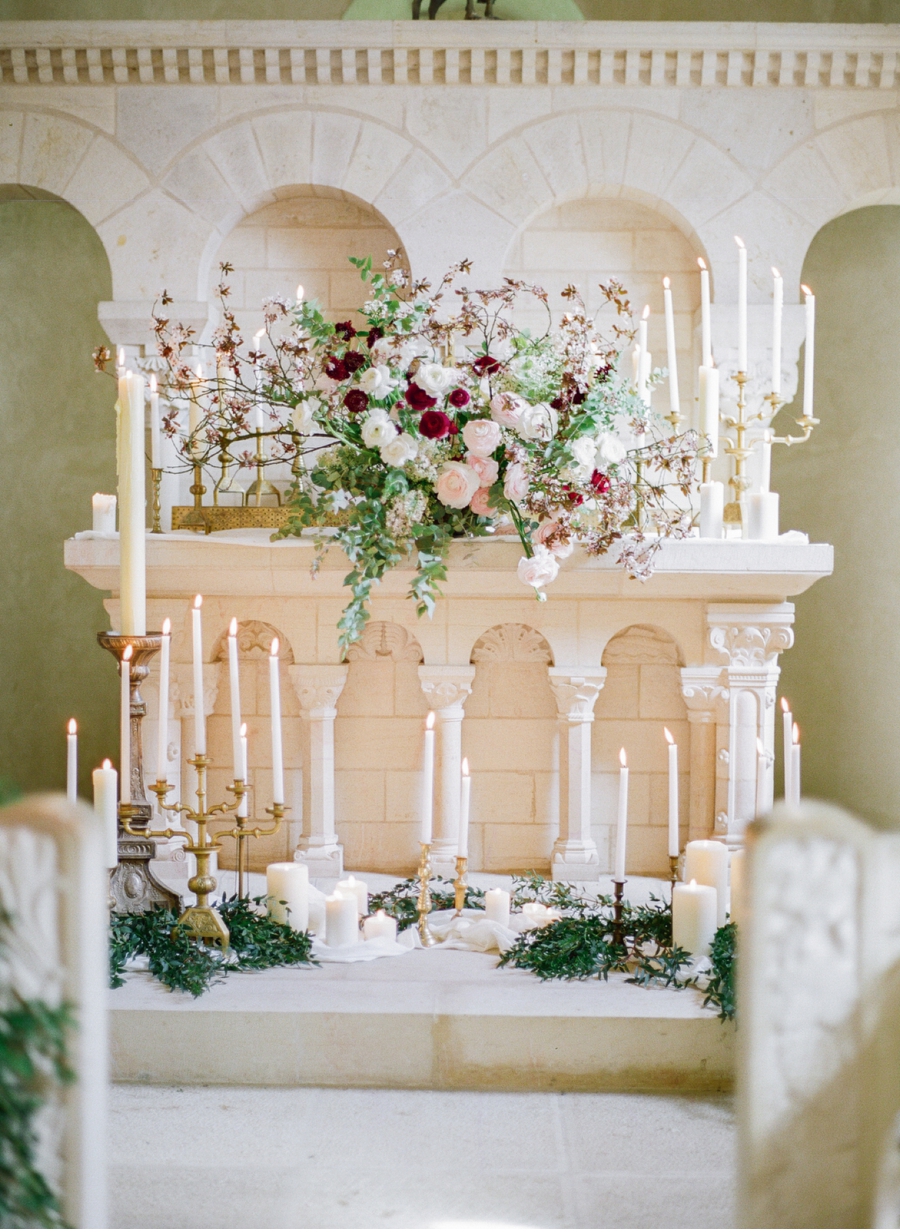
(484, 365)
(356, 401)
(458, 397)
(454, 428)
(353, 361)
(373, 335)
(434, 425)
(418, 399)
(558, 404)
(578, 397)
(604, 373)
(345, 330)
(574, 498)
(600, 482)
(336, 368)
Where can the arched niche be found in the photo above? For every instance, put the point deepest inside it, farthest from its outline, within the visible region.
(641, 696)
(306, 235)
(598, 238)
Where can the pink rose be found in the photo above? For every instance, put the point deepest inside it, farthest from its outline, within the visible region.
(486, 469)
(481, 503)
(482, 436)
(456, 485)
(538, 570)
(515, 485)
(545, 537)
(507, 408)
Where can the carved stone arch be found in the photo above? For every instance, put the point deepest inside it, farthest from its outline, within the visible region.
(642, 644)
(254, 642)
(382, 639)
(512, 643)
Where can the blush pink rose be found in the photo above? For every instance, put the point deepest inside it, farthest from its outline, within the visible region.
(456, 485)
(507, 408)
(538, 570)
(482, 436)
(515, 485)
(545, 532)
(481, 503)
(486, 469)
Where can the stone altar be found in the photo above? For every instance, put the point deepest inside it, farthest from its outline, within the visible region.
(539, 696)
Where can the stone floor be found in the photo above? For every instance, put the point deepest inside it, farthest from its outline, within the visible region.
(237, 1157)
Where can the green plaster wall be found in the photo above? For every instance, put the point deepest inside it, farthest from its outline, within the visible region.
(57, 430)
(843, 675)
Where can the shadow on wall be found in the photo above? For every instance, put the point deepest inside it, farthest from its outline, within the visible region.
(843, 675)
(58, 435)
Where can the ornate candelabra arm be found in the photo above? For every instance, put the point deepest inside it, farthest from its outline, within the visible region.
(807, 423)
(423, 904)
(241, 834)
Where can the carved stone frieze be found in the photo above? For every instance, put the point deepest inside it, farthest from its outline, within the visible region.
(254, 639)
(576, 692)
(747, 644)
(512, 643)
(383, 639)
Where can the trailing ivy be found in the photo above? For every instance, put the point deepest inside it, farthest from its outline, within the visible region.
(32, 1058)
(720, 988)
(401, 899)
(190, 965)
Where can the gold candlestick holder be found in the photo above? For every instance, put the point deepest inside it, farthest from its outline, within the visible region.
(260, 486)
(156, 476)
(460, 885)
(738, 449)
(195, 519)
(423, 904)
(226, 483)
(242, 834)
(673, 877)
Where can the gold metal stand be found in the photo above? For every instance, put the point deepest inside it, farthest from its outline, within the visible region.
(424, 902)
(196, 519)
(260, 487)
(618, 937)
(156, 475)
(738, 450)
(460, 885)
(242, 835)
(226, 484)
(673, 875)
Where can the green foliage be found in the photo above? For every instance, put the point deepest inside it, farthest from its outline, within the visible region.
(185, 963)
(573, 948)
(32, 1058)
(400, 901)
(720, 989)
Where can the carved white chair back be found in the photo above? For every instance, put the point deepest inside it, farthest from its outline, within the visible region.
(54, 886)
(819, 1030)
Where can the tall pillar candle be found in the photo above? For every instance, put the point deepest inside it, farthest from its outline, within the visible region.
(162, 726)
(428, 781)
(275, 695)
(287, 894)
(125, 726)
(341, 921)
(706, 862)
(705, 322)
(671, 355)
(197, 642)
(464, 800)
(72, 761)
(674, 837)
(809, 352)
(132, 514)
(709, 409)
(795, 767)
(694, 910)
(777, 311)
(622, 818)
(235, 683)
(103, 511)
(787, 725)
(712, 509)
(742, 305)
(106, 790)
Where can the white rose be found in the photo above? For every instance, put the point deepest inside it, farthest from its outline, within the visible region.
(506, 409)
(399, 450)
(538, 423)
(377, 381)
(610, 448)
(583, 450)
(538, 570)
(377, 430)
(456, 484)
(435, 378)
(303, 416)
(482, 436)
(515, 485)
(381, 349)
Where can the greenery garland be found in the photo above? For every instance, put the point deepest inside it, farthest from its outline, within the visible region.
(188, 964)
(402, 899)
(32, 1058)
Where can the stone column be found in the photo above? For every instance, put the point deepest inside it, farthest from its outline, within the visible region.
(705, 691)
(750, 639)
(318, 687)
(447, 689)
(575, 856)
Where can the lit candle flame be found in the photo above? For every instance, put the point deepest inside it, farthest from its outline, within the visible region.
(259, 333)
(805, 289)
(299, 292)
(243, 731)
(107, 764)
(775, 273)
(646, 311)
(73, 727)
(465, 767)
(668, 735)
(784, 705)
(623, 760)
(740, 243)
(121, 357)
(198, 601)
(693, 883)
(127, 653)
(199, 371)
(796, 734)
(273, 649)
(232, 628)
(167, 627)
(701, 263)
(666, 283)
(429, 722)
(153, 382)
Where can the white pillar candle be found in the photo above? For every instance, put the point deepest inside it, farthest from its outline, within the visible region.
(674, 838)
(380, 925)
(199, 714)
(464, 798)
(671, 356)
(428, 780)
(244, 806)
(103, 509)
(539, 916)
(234, 680)
(706, 862)
(275, 696)
(357, 890)
(738, 904)
(132, 513)
(787, 725)
(162, 724)
(496, 906)
(742, 305)
(72, 761)
(341, 921)
(712, 509)
(317, 915)
(795, 767)
(125, 726)
(622, 819)
(693, 916)
(761, 516)
(809, 353)
(709, 409)
(287, 894)
(106, 790)
(155, 426)
(705, 324)
(777, 311)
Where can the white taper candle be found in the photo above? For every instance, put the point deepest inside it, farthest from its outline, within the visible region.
(234, 680)
(671, 355)
(787, 723)
(705, 323)
(428, 780)
(275, 694)
(742, 305)
(777, 310)
(622, 819)
(199, 713)
(674, 837)
(465, 793)
(72, 760)
(162, 725)
(809, 357)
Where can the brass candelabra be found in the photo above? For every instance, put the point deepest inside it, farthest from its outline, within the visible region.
(242, 834)
(260, 486)
(226, 483)
(460, 885)
(618, 935)
(196, 519)
(423, 905)
(156, 476)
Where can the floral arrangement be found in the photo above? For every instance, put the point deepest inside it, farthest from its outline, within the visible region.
(439, 418)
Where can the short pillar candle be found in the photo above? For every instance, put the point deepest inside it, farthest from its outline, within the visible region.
(287, 894)
(357, 890)
(496, 906)
(706, 862)
(341, 921)
(693, 916)
(380, 925)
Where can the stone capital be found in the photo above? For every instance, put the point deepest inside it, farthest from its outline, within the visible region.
(576, 690)
(446, 688)
(751, 637)
(703, 688)
(181, 688)
(318, 687)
